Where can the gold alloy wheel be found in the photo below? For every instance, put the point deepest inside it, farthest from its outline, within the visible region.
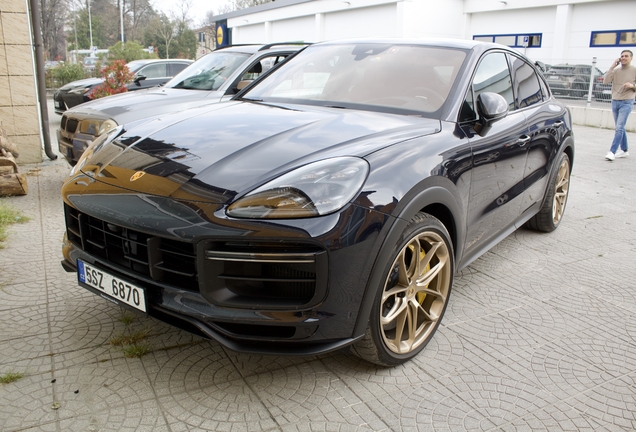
(561, 191)
(415, 293)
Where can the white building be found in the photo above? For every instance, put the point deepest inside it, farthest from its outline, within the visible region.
(555, 31)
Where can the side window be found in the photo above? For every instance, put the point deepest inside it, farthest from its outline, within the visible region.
(154, 71)
(526, 86)
(492, 75)
(175, 68)
(263, 65)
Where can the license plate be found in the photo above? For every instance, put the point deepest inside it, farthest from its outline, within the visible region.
(112, 287)
(58, 104)
(553, 77)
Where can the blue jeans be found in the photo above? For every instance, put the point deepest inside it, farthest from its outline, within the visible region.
(621, 110)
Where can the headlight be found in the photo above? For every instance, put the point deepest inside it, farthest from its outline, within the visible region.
(90, 127)
(313, 190)
(107, 126)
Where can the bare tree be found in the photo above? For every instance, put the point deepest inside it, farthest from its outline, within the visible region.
(53, 16)
(139, 13)
(166, 30)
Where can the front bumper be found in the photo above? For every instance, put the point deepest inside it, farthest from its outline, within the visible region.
(224, 287)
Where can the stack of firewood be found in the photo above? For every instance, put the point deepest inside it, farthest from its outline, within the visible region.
(11, 182)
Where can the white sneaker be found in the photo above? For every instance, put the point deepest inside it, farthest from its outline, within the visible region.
(609, 156)
(621, 154)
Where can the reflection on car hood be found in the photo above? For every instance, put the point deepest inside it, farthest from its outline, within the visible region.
(214, 153)
(130, 106)
(88, 82)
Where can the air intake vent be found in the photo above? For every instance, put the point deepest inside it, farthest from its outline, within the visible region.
(270, 275)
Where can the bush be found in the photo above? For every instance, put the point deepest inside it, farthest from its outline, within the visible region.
(64, 74)
(116, 75)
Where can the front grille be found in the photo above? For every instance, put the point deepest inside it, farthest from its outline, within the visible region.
(256, 274)
(68, 124)
(168, 261)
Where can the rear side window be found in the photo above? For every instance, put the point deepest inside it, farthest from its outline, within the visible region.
(154, 71)
(175, 68)
(527, 89)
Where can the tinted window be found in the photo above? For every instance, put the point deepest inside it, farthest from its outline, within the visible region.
(154, 71)
(525, 82)
(493, 76)
(175, 68)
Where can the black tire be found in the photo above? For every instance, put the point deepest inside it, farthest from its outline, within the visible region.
(551, 213)
(400, 297)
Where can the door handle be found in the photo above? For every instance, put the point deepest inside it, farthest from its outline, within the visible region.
(558, 123)
(523, 140)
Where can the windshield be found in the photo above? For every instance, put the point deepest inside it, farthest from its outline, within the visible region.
(209, 72)
(399, 77)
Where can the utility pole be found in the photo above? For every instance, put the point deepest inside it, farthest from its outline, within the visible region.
(121, 19)
(90, 24)
(75, 30)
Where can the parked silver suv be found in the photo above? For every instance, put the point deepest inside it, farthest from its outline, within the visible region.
(213, 78)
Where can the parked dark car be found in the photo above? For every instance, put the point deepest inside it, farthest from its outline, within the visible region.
(217, 76)
(329, 204)
(148, 73)
(571, 80)
(602, 92)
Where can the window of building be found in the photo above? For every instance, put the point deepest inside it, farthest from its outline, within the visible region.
(611, 38)
(513, 40)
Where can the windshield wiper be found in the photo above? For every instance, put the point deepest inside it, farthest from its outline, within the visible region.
(251, 100)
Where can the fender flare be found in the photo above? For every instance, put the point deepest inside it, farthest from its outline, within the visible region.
(430, 195)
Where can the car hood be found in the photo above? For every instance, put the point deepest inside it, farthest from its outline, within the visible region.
(88, 82)
(130, 106)
(213, 153)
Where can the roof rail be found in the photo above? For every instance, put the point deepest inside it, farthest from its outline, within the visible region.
(268, 46)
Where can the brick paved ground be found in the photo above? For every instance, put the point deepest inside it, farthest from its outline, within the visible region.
(539, 335)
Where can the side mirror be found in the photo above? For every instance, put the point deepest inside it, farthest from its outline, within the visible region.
(491, 107)
(138, 78)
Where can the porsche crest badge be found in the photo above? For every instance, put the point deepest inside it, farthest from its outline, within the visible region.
(137, 176)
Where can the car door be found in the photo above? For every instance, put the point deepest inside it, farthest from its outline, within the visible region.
(546, 123)
(499, 157)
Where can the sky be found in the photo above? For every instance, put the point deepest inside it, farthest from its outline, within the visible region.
(198, 8)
